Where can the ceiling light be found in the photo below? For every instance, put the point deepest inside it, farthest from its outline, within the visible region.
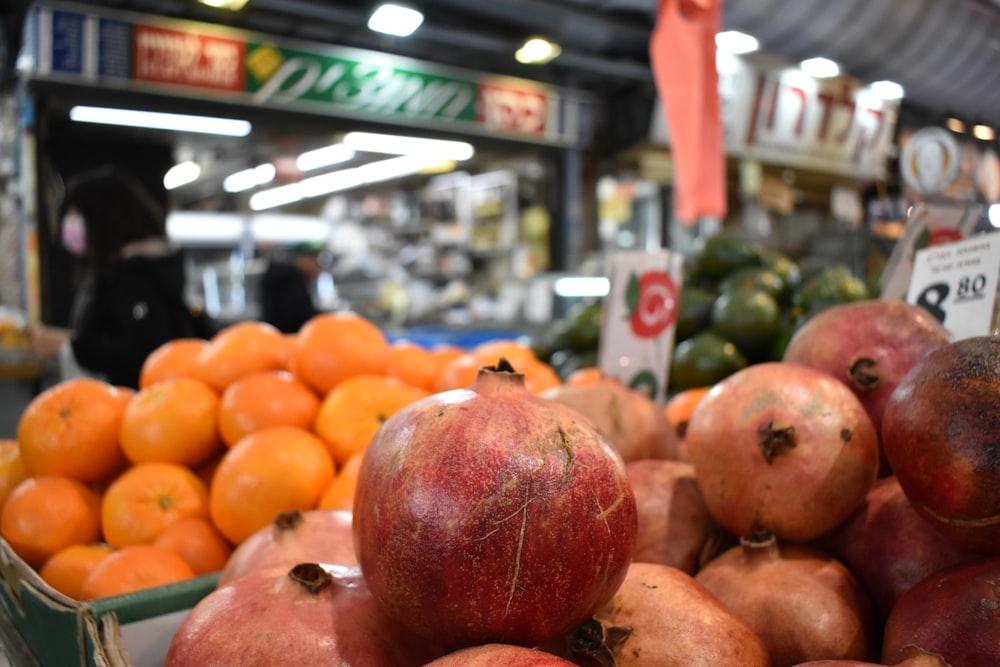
(537, 51)
(249, 178)
(180, 174)
(581, 286)
(821, 68)
(232, 5)
(984, 132)
(887, 90)
(736, 42)
(955, 125)
(993, 213)
(324, 157)
(395, 20)
(439, 149)
(230, 127)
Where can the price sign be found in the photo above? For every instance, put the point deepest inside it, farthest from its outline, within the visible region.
(957, 283)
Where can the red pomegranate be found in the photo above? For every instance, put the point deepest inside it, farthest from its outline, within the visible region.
(954, 613)
(916, 658)
(662, 616)
(941, 433)
(295, 537)
(489, 514)
(802, 603)
(499, 655)
(869, 346)
(782, 448)
(675, 526)
(634, 423)
(888, 546)
(309, 614)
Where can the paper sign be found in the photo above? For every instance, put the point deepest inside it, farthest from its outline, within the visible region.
(640, 316)
(957, 283)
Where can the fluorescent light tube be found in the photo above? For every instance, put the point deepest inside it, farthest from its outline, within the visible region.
(887, 90)
(230, 127)
(736, 42)
(180, 174)
(821, 68)
(324, 157)
(395, 20)
(582, 286)
(249, 178)
(537, 51)
(441, 149)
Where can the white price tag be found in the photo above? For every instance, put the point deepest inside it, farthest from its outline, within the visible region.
(957, 283)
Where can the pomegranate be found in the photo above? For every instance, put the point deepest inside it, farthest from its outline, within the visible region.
(675, 526)
(309, 614)
(869, 346)
(499, 655)
(802, 603)
(294, 537)
(661, 616)
(782, 448)
(915, 658)
(941, 433)
(954, 613)
(888, 546)
(489, 514)
(634, 423)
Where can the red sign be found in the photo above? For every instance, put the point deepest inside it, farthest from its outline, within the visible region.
(187, 58)
(508, 108)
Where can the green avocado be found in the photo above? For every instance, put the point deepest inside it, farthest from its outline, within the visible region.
(832, 285)
(748, 317)
(723, 253)
(694, 310)
(703, 360)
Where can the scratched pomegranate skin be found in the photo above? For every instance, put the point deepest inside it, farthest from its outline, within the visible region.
(491, 515)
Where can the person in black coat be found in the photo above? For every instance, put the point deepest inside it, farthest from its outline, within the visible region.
(132, 282)
(286, 288)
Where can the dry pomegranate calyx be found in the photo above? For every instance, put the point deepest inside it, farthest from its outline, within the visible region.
(597, 641)
(863, 373)
(773, 441)
(310, 576)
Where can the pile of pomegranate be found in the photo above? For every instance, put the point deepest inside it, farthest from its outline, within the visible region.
(838, 507)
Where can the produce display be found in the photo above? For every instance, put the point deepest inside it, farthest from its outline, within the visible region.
(834, 504)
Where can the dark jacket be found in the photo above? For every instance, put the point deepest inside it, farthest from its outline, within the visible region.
(285, 298)
(130, 313)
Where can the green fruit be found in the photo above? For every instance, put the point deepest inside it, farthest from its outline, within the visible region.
(810, 267)
(694, 311)
(703, 360)
(724, 253)
(833, 285)
(748, 317)
(786, 268)
(757, 277)
(581, 331)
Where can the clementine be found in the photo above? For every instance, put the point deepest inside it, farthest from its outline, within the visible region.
(240, 349)
(264, 399)
(71, 430)
(173, 420)
(458, 373)
(68, 568)
(175, 358)
(133, 568)
(274, 470)
(353, 410)
(519, 354)
(413, 364)
(339, 493)
(45, 514)
(12, 470)
(198, 542)
(443, 353)
(586, 375)
(331, 347)
(681, 405)
(539, 376)
(139, 505)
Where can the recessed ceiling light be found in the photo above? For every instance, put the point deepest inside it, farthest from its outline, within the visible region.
(736, 42)
(180, 174)
(233, 5)
(395, 20)
(821, 68)
(955, 125)
(887, 90)
(984, 132)
(537, 51)
(161, 121)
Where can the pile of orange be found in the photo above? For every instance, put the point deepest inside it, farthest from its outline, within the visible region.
(108, 490)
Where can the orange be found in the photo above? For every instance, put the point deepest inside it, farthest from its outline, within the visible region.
(278, 469)
(12, 470)
(331, 347)
(458, 373)
(43, 515)
(339, 494)
(139, 505)
(198, 542)
(174, 420)
(175, 358)
(443, 353)
(517, 353)
(413, 364)
(264, 399)
(586, 375)
(68, 568)
(71, 430)
(681, 405)
(240, 349)
(134, 568)
(539, 376)
(353, 410)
